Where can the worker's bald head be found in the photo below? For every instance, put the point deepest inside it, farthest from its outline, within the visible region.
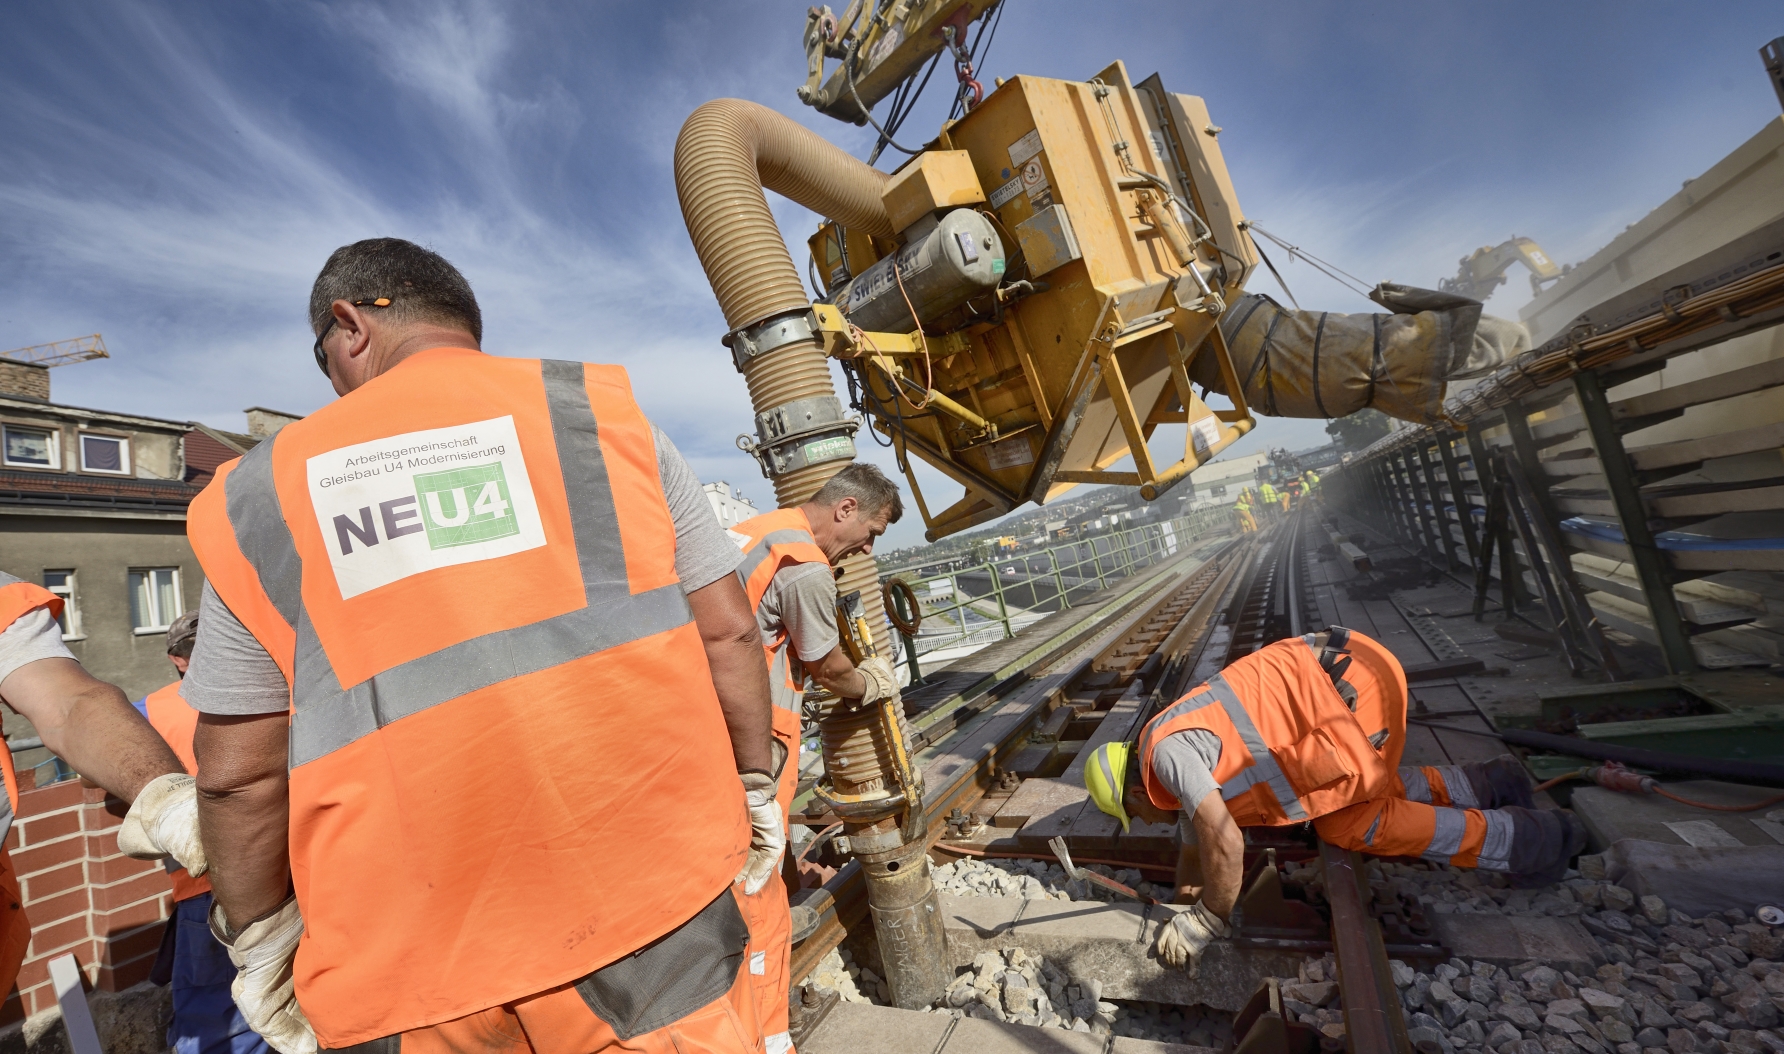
(419, 283)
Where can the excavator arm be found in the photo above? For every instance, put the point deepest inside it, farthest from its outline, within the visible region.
(1484, 270)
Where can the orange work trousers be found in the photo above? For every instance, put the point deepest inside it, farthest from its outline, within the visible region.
(560, 1022)
(1430, 814)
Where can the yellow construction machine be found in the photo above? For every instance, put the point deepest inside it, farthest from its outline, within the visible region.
(1483, 270)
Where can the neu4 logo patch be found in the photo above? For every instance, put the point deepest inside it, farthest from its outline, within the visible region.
(396, 507)
(465, 506)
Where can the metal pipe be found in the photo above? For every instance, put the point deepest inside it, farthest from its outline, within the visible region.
(1759, 772)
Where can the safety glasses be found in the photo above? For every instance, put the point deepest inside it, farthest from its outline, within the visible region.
(321, 356)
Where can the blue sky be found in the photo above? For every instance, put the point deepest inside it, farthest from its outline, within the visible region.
(175, 173)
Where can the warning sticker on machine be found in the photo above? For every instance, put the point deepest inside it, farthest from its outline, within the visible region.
(1024, 148)
(1009, 453)
(1034, 176)
(409, 503)
(1006, 192)
(1204, 433)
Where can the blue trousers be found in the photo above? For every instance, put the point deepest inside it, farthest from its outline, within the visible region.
(205, 1020)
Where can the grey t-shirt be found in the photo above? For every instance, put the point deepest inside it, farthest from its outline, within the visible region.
(1184, 763)
(32, 636)
(801, 598)
(232, 674)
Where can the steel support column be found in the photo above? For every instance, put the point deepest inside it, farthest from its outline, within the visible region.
(1458, 487)
(1650, 566)
(1438, 519)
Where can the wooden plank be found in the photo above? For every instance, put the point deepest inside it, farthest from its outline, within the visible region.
(1691, 451)
(1037, 797)
(1462, 747)
(1768, 374)
(1392, 630)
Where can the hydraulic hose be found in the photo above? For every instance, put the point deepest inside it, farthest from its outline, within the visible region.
(1615, 777)
(728, 151)
(1757, 772)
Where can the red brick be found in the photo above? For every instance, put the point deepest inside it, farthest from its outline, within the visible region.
(106, 817)
(39, 829)
(117, 894)
(54, 909)
(128, 918)
(92, 792)
(34, 972)
(117, 949)
(50, 798)
(57, 936)
(48, 883)
(52, 854)
(39, 999)
(105, 871)
(118, 978)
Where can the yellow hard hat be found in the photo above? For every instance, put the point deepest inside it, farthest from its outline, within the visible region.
(1105, 777)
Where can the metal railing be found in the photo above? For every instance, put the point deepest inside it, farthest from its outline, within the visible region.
(988, 602)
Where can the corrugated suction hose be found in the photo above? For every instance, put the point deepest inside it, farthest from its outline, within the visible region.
(728, 151)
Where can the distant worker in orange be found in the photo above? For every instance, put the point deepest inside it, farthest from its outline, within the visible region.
(1311, 728)
(1247, 521)
(91, 725)
(472, 663)
(788, 561)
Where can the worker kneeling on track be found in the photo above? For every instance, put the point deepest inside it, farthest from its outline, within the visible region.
(1311, 729)
(484, 740)
(788, 556)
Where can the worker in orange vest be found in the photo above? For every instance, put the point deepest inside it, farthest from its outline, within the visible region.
(484, 730)
(193, 962)
(91, 725)
(1311, 728)
(788, 556)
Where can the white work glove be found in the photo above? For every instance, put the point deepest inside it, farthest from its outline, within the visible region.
(768, 836)
(1188, 934)
(264, 992)
(882, 683)
(163, 821)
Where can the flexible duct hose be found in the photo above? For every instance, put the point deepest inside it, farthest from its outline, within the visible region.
(728, 151)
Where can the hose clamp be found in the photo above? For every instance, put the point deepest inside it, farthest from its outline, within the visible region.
(800, 433)
(771, 334)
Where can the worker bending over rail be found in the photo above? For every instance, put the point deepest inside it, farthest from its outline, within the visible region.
(788, 556)
(91, 725)
(1312, 728)
(1271, 500)
(1247, 521)
(472, 666)
(192, 961)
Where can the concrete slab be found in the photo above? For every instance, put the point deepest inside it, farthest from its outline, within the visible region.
(1611, 816)
(1509, 940)
(975, 924)
(862, 1028)
(1039, 798)
(1129, 1045)
(1698, 880)
(974, 1036)
(1054, 921)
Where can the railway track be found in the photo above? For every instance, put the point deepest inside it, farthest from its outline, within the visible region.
(1179, 623)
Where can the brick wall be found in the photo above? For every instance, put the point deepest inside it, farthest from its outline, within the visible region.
(81, 894)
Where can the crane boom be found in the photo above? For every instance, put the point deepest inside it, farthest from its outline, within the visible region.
(1484, 270)
(60, 352)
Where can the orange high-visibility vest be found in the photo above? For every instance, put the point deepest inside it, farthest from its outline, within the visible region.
(177, 723)
(17, 599)
(1291, 749)
(502, 719)
(774, 540)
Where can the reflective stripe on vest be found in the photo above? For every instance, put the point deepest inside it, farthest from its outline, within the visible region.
(1495, 850)
(327, 717)
(791, 545)
(1263, 768)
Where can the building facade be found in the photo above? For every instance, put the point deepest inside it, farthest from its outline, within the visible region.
(729, 505)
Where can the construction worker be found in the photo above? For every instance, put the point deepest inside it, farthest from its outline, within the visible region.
(788, 556)
(1311, 479)
(89, 724)
(1291, 493)
(197, 967)
(484, 734)
(1311, 728)
(1270, 500)
(1247, 522)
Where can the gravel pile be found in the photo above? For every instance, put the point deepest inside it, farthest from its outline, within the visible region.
(1674, 984)
(1028, 990)
(1033, 880)
(837, 972)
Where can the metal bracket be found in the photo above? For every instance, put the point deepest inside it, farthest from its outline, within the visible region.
(803, 432)
(771, 334)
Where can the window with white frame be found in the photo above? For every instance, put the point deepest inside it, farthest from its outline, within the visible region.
(104, 453)
(61, 583)
(154, 598)
(29, 447)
